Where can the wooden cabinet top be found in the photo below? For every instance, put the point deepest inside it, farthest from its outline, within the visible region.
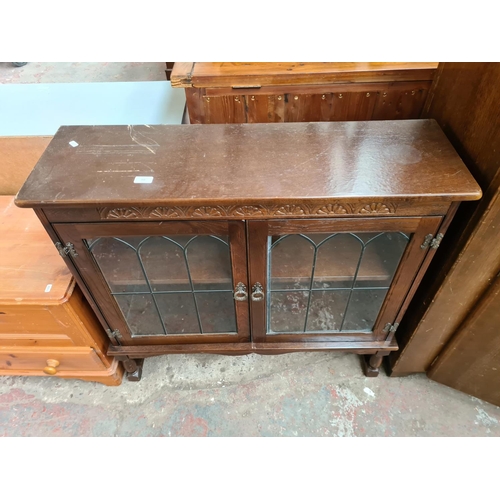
(31, 269)
(255, 74)
(248, 163)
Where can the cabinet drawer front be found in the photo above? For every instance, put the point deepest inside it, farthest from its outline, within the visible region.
(35, 325)
(33, 340)
(14, 360)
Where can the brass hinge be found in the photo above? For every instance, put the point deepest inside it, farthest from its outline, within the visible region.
(389, 327)
(429, 241)
(115, 334)
(67, 249)
(426, 242)
(436, 241)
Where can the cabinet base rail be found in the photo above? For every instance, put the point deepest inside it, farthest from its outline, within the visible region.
(372, 353)
(251, 347)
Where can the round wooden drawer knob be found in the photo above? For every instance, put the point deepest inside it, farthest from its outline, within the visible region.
(50, 369)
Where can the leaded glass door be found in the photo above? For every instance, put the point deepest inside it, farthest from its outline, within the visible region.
(343, 279)
(166, 282)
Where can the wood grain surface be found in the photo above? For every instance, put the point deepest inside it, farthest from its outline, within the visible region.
(43, 315)
(31, 269)
(464, 100)
(18, 156)
(248, 163)
(470, 362)
(226, 74)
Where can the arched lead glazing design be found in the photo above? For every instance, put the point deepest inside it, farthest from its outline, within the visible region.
(347, 276)
(185, 283)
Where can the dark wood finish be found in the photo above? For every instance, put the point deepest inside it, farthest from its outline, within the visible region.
(144, 229)
(446, 221)
(368, 370)
(261, 108)
(93, 281)
(91, 274)
(470, 362)
(268, 178)
(407, 270)
(293, 209)
(133, 367)
(74, 271)
(257, 273)
(464, 100)
(291, 104)
(315, 89)
(169, 68)
(298, 92)
(251, 347)
(406, 225)
(409, 266)
(238, 249)
(399, 104)
(136, 375)
(222, 109)
(338, 162)
(374, 267)
(371, 363)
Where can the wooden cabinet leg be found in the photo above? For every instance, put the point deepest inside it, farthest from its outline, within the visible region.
(371, 363)
(133, 367)
(136, 375)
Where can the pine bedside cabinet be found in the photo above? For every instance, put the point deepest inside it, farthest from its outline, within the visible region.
(47, 327)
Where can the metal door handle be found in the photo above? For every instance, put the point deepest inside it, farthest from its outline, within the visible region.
(257, 292)
(240, 292)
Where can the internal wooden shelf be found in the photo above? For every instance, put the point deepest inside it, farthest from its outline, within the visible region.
(164, 263)
(291, 264)
(336, 262)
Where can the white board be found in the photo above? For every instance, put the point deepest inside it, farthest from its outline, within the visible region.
(41, 108)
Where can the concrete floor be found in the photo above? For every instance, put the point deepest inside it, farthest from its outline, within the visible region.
(303, 394)
(77, 72)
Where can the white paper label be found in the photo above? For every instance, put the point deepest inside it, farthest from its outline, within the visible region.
(143, 179)
(73, 144)
(48, 288)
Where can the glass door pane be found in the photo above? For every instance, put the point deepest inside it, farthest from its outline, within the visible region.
(169, 285)
(330, 283)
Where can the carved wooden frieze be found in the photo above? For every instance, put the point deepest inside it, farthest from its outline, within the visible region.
(249, 211)
(287, 210)
(377, 208)
(206, 212)
(332, 209)
(164, 213)
(122, 213)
